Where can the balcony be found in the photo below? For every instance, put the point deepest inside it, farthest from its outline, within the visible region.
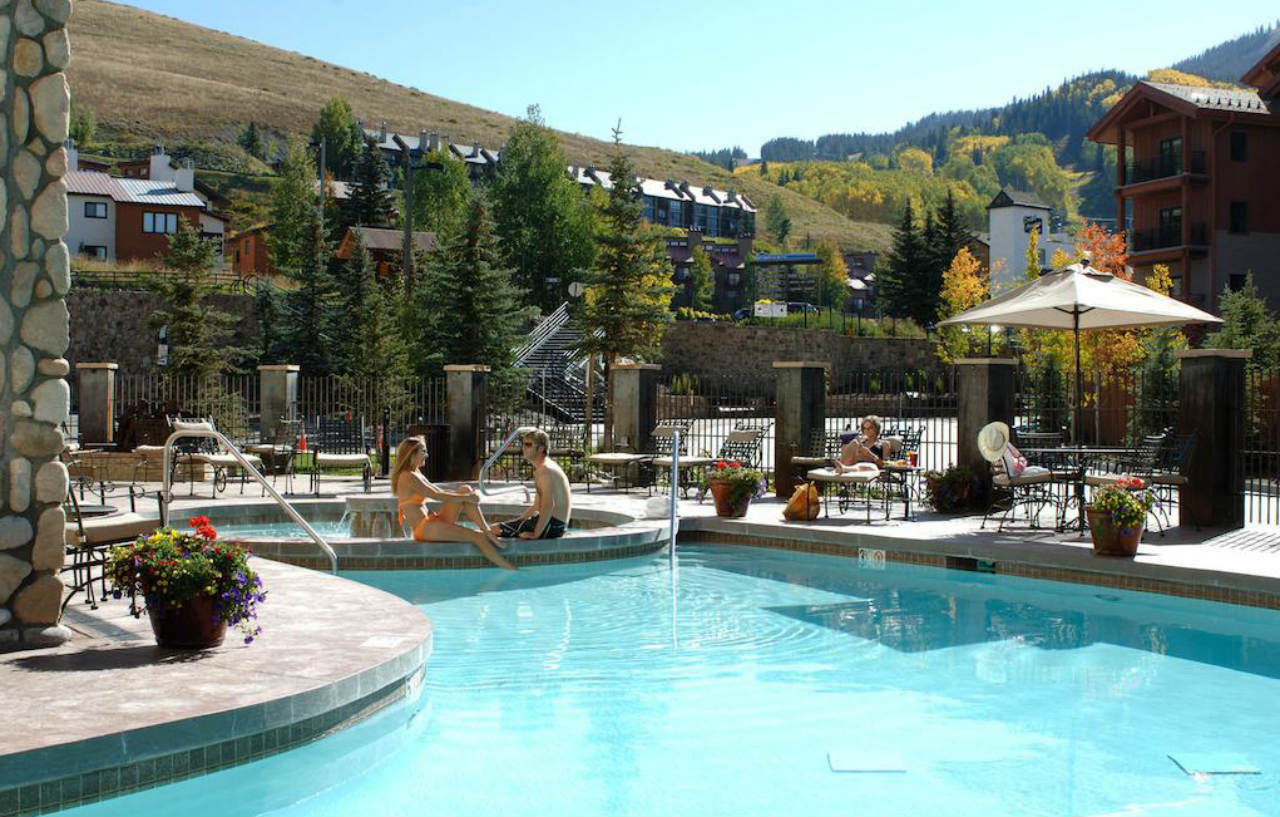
(1163, 167)
(1168, 236)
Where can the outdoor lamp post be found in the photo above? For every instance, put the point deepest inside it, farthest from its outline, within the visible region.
(991, 333)
(857, 307)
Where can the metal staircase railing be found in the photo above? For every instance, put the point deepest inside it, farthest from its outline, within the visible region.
(542, 333)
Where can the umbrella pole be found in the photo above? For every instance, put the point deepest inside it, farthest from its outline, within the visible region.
(1075, 316)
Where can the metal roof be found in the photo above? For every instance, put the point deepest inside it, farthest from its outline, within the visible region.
(1008, 197)
(130, 191)
(378, 238)
(1217, 99)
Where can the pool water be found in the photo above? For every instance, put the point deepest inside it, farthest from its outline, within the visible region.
(736, 684)
(330, 529)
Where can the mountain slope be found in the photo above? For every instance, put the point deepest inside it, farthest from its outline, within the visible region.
(1228, 61)
(147, 77)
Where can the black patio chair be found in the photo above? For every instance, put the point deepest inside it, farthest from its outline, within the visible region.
(339, 442)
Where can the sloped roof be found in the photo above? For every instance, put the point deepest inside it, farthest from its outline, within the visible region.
(89, 183)
(130, 191)
(383, 239)
(1219, 99)
(1019, 198)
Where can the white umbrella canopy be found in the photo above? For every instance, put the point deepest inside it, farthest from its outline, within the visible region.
(1097, 300)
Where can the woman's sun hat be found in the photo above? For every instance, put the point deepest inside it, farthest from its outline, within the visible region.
(992, 440)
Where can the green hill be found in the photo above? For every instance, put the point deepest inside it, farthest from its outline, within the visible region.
(150, 78)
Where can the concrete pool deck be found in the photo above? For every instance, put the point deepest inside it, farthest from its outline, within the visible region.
(141, 716)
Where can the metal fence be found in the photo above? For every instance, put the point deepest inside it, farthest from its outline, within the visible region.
(1262, 447)
(711, 409)
(231, 401)
(1118, 410)
(405, 402)
(903, 400)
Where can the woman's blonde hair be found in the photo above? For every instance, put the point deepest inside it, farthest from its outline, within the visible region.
(405, 453)
(874, 420)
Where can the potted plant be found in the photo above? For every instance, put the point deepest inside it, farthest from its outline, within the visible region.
(193, 585)
(954, 490)
(1118, 515)
(732, 486)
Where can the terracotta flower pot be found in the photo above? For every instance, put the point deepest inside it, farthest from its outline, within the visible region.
(1111, 540)
(188, 626)
(725, 506)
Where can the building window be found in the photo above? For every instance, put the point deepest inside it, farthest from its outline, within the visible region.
(95, 209)
(1239, 146)
(675, 212)
(1239, 222)
(648, 209)
(1170, 156)
(159, 222)
(93, 251)
(246, 246)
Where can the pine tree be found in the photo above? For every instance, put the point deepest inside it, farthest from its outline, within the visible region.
(776, 220)
(371, 351)
(543, 222)
(199, 333)
(267, 311)
(950, 235)
(308, 312)
(475, 311)
(626, 310)
(251, 140)
(906, 274)
(370, 202)
(293, 208)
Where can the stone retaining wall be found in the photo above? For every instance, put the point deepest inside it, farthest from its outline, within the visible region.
(744, 355)
(34, 279)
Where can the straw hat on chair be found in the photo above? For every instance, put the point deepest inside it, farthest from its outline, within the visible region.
(993, 439)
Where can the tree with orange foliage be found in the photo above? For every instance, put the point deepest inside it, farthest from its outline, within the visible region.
(964, 286)
(1105, 251)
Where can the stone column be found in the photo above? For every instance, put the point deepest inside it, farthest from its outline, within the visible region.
(802, 412)
(96, 384)
(984, 394)
(278, 395)
(634, 387)
(466, 388)
(1212, 403)
(34, 279)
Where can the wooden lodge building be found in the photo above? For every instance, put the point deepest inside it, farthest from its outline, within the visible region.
(1198, 181)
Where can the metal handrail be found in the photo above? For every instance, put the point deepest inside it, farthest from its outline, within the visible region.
(208, 431)
(675, 484)
(484, 469)
(535, 339)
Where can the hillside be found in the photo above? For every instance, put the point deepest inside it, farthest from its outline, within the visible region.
(148, 78)
(1228, 61)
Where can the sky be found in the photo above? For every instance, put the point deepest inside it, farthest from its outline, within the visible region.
(690, 75)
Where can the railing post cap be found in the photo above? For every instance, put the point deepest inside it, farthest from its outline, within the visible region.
(801, 364)
(466, 367)
(97, 366)
(624, 367)
(279, 367)
(986, 361)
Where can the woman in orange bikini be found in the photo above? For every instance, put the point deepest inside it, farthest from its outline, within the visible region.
(413, 490)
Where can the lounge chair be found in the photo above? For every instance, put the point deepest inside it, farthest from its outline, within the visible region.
(662, 442)
(341, 443)
(280, 451)
(824, 446)
(206, 452)
(1032, 488)
(743, 444)
(846, 482)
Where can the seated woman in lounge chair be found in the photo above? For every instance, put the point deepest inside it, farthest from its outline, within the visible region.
(868, 448)
(413, 490)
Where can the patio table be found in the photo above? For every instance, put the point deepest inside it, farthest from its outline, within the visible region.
(902, 477)
(1072, 462)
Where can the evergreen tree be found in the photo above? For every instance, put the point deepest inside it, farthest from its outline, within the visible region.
(293, 208)
(371, 352)
(950, 236)
(702, 281)
(626, 305)
(308, 311)
(543, 222)
(343, 140)
(906, 274)
(776, 220)
(833, 276)
(82, 125)
(267, 311)
(370, 202)
(1247, 323)
(199, 333)
(480, 318)
(251, 140)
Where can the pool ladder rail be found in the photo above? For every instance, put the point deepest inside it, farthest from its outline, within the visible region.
(488, 464)
(206, 430)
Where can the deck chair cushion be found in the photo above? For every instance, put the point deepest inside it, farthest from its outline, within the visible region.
(857, 476)
(341, 459)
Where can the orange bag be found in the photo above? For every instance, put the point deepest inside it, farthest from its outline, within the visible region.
(803, 504)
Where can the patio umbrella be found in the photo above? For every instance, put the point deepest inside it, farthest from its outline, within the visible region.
(1081, 297)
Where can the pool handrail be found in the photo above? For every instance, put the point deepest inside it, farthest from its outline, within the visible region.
(204, 429)
(675, 482)
(484, 469)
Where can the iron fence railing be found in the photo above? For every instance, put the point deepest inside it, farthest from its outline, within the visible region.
(1118, 411)
(712, 409)
(1262, 447)
(905, 401)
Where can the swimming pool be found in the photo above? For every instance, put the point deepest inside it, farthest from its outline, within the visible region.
(736, 685)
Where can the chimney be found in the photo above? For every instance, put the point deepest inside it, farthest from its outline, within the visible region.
(475, 148)
(185, 177)
(422, 141)
(73, 155)
(159, 168)
(433, 142)
(382, 132)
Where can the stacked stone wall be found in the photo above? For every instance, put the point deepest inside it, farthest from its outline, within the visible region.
(34, 279)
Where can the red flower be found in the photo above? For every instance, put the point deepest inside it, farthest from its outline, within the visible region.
(198, 521)
(735, 464)
(722, 464)
(206, 531)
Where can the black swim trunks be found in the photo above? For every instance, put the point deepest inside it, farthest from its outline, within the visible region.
(513, 528)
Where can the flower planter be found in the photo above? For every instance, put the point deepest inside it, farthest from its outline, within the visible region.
(187, 626)
(1109, 539)
(726, 503)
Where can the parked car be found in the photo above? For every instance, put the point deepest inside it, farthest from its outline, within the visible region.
(742, 314)
(794, 307)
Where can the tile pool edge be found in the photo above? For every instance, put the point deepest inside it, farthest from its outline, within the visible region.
(1048, 561)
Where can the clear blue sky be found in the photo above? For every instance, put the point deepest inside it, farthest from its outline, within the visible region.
(687, 74)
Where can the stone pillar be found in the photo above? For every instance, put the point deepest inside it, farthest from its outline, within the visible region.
(802, 412)
(634, 387)
(96, 385)
(984, 394)
(34, 279)
(1212, 403)
(466, 388)
(278, 395)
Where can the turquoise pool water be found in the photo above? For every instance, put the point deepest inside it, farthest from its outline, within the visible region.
(596, 689)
